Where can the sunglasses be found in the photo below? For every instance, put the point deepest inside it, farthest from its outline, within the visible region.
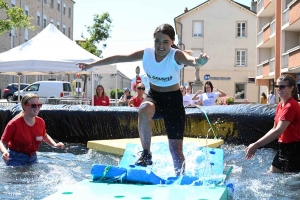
(33, 105)
(140, 88)
(281, 87)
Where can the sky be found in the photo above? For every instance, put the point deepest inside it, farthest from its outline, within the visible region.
(133, 21)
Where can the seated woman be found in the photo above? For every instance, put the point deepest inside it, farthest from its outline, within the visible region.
(100, 98)
(137, 100)
(123, 101)
(23, 134)
(208, 98)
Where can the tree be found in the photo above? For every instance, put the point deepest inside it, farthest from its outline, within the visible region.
(99, 31)
(15, 18)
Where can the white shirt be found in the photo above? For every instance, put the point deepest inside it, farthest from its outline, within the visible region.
(164, 73)
(194, 102)
(271, 98)
(209, 99)
(187, 100)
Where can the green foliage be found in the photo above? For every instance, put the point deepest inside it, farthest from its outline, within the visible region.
(15, 18)
(101, 27)
(230, 100)
(113, 92)
(90, 47)
(99, 31)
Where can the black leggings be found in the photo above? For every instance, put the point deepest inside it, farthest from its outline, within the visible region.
(169, 106)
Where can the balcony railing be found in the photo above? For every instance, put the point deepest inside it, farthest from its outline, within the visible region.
(260, 37)
(259, 71)
(285, 61)
(286, 16)
(260, 5)
(272, 27)
(272, 65)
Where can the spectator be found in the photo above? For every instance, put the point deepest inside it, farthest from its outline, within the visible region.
(187, 100)
(138, 99)
(271, 98)
(188, 92)
(263, 98)
(23, 134)
(208, 98)
(100, 98)
(286, 129)
(125, 97)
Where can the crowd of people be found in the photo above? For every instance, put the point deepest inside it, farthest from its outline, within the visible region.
(165, 99)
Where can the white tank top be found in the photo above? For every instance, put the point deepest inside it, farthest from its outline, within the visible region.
(164, 73)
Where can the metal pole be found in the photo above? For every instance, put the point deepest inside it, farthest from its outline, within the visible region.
(116, 93)
(92, 85)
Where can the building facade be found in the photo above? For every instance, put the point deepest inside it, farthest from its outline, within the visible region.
(278, 41)
(42, 12)
(226, 31)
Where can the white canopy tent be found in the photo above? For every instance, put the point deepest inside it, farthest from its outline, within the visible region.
(49, 52)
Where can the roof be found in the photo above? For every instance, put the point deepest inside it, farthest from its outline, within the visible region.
(205, 2)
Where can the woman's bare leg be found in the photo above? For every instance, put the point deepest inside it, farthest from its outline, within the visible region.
(175, 147)
(275, 170)
(146, 112)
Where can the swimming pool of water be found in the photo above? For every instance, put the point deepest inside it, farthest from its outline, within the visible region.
(59, 168)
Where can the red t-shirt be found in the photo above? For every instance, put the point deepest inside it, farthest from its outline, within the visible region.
(101, 101)
(23, 138)
(289, 112)
(137, 102)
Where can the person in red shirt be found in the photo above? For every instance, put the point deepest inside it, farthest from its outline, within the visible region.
(286, 129)
(100, 98)
(138, 99)
(23, 134)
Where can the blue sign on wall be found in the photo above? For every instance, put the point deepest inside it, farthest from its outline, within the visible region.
(206, 77)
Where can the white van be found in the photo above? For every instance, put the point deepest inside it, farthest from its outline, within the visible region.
(47, 90)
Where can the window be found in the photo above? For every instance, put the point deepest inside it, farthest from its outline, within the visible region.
(240, 91)
(197, 29)
(26, 11)
(13, 3)
(69, 32)
(51, 20)
(241, 58)
(45, 1)
(38, 19)
(64, 29)
(241, 29)
(44, 23)
(57, 25)
(64, 10)
(12, 38)
(58, 5)
(26, 35)
(52, 3)
(69, 12)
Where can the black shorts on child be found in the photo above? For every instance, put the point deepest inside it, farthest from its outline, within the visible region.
(169, 106)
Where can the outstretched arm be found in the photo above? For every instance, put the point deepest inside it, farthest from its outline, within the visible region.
(48, 140)
(222, 94)
(136, 56)
(184, 58)
(3, 148)
(274, 133)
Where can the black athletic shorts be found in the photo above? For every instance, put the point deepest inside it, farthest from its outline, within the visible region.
(287, 157)
(169, 107)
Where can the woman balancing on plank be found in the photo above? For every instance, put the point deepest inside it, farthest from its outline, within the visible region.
(164, 100)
